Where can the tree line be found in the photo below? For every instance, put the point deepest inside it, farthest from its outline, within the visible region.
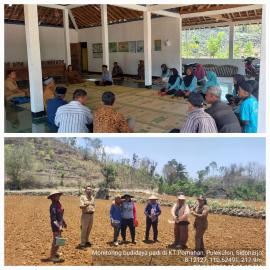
(236, 181)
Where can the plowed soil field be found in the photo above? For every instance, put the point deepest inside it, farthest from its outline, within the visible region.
(235, 241)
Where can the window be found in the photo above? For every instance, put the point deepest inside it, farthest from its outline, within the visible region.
(247, 41)
(206, 43)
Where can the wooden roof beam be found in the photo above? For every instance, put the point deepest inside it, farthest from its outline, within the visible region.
(160, 7)
(221, 11)
(53, 6)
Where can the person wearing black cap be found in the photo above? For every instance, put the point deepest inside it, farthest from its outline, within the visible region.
(53, 104)
(248, 108)
(233, 98)
(198, 121)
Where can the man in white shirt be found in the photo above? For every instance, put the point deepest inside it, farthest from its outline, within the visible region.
(74, 117)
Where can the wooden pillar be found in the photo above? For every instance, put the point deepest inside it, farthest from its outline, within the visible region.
(147, 48)
(105, 35)
(34, 59)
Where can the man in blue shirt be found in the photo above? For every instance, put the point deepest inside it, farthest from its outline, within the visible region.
(248, 108)
(116, 217)
(54, 104)
(106, 77)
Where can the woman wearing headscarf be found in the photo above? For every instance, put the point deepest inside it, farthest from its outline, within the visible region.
(200, 211)
(165, 74)
(200, 74)
(173, 84)
(212, 80)
(233, 98)
(129, 217)
(189, 83)
(180, 212)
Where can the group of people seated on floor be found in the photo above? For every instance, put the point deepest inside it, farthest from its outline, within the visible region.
(76, 117)
(201, 87)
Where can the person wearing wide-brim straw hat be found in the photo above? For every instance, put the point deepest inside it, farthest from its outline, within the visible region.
(129, 217)
(200, 211)
(116, 218)
(57, 222)
(152, 212)
(126, 195)
(180, 212)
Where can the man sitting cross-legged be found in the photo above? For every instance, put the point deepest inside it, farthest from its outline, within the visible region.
(107, 120)
(74, 117)
(11, 88)
(53, 104)
(106, 77)
(222, 113)
(198, 121)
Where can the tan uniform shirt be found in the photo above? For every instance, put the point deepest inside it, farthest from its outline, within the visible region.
(84, 200)
(48, 93)
(12, 89)
(202, 219)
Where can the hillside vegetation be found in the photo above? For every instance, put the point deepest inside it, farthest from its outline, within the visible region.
(37, 163)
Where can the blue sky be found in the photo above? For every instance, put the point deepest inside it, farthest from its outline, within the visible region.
(195, 153)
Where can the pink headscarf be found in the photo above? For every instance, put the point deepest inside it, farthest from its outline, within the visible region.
(200, 72)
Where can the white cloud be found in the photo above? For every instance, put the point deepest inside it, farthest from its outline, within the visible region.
(114, 150)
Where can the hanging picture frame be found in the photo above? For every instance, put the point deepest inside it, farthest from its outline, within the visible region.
(140, 46)
(97, 48)
(157, 45)
(123, 46)
(132, 46)
(113, 47)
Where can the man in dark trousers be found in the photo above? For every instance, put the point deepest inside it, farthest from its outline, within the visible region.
(152, 211)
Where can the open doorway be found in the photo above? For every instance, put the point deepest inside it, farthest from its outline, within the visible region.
(84, 57)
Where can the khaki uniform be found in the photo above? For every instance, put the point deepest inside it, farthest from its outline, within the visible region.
(87, 218)
(12, 89)
(48, 93)
(200, 225)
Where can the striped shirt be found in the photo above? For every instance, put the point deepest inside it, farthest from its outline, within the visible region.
(73, 118)
(198, 121)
